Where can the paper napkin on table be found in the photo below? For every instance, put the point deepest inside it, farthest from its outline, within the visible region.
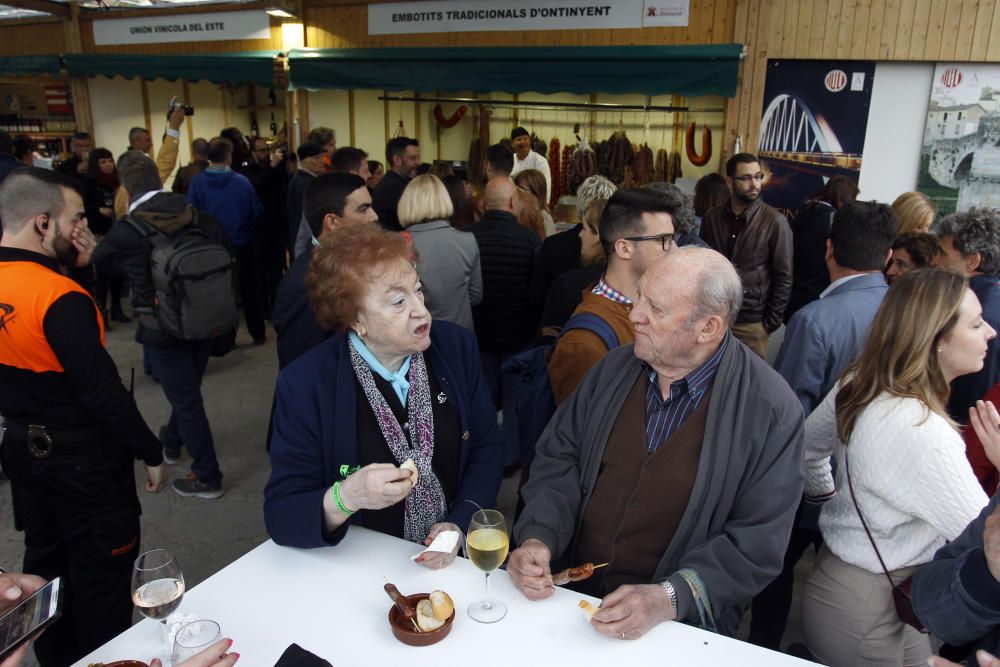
(444, 542)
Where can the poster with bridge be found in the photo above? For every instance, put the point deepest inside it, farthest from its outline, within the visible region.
(960, 159)
(813, 126)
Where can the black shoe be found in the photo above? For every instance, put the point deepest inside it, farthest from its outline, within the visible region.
(120, 317)
(192, 487)
(172, 455)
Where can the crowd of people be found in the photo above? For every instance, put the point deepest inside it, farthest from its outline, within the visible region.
(619, 366)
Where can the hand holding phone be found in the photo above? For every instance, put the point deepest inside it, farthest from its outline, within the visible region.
(28, 605)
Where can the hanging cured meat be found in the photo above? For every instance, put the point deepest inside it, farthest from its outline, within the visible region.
(674, 167)
(582, 165)
(567, 152)
(538, 145)
(642, 166)
(452, 120)
(698, 159)
(660, 172)
(477, 149)
(555, 173)
(619, 156)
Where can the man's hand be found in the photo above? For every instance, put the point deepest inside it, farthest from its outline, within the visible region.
(82, 167)
(436, 560)
(984, 658)
(156, 478)
(176, 118)
(632, 611)
(15, 587)
(529, 569)
(277, 157)
(84, 242)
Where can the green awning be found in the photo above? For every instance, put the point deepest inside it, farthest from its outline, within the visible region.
(650, 70)
(29, 65)
(246, 67)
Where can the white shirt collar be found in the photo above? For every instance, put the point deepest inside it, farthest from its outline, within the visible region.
(143, 199)
(840, 281)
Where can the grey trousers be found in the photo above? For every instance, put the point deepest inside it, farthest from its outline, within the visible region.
(849, 619)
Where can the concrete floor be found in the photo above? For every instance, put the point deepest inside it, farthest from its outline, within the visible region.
(207, 535)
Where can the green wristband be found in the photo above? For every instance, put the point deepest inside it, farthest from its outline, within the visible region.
(338, 501)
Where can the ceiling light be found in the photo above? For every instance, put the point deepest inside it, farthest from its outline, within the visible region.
(280, 12)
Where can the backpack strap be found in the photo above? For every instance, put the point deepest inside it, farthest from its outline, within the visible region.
(146, 230)
(594, 324)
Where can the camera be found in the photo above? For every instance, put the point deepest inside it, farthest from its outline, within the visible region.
(174, 104)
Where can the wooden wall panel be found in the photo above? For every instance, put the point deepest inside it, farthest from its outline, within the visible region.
(32, 39)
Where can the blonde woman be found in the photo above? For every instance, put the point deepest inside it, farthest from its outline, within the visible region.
(886, 419)
(447, 259)
(915, 211)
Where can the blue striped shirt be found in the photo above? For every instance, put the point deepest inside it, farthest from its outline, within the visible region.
(665, 416)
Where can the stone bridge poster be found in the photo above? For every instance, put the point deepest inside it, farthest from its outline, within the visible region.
(960, 160)
(813, 125)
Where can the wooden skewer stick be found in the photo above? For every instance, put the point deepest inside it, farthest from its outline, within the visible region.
(601, 565)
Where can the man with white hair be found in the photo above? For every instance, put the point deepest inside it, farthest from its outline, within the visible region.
(678, 461)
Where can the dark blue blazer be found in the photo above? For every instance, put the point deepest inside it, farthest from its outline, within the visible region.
(315, 422)
(826, 335)
(968, 389)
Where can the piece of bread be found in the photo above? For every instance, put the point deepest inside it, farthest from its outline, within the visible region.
(442, 605)
(425, 617)
(588, 609)
(408, 464)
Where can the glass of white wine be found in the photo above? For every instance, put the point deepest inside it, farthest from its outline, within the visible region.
(157, 587)
(487, 545)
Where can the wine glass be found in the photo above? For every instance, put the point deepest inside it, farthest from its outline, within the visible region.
(157, 587)
(486, 545)
(194, 637)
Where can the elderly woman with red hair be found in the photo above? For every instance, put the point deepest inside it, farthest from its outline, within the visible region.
(387, 388)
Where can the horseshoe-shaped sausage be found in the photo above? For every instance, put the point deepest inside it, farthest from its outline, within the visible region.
(706, 145)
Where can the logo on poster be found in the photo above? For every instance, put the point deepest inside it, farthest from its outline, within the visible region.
(951, 77)
(835, 81)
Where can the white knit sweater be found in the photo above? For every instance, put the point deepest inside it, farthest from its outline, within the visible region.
(911, 478)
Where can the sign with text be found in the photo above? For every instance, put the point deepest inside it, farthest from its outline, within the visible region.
(211, 27)
(396, 18)
(665, 13)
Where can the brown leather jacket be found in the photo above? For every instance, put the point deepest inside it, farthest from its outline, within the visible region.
(762, 256)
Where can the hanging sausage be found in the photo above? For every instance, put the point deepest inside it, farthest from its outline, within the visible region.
(642, 166)
(582, 165)
(698, 160)
(660, 172)
(554, 173)
(452, 120)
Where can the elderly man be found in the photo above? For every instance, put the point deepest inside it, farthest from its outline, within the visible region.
(678, 461)
(970, 242)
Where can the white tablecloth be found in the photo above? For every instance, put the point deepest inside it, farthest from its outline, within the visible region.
(331, 602)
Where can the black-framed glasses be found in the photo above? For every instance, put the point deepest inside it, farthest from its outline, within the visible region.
(746, 178)
(666, 240)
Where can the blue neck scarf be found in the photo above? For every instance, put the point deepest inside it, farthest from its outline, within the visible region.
(398, 380)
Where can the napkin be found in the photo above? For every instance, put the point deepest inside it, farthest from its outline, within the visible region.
(444, 542)
(296, 656)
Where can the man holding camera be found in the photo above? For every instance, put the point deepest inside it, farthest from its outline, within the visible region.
(166, 157)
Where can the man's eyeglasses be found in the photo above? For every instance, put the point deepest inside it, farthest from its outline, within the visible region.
(746, 178)
(666, 240)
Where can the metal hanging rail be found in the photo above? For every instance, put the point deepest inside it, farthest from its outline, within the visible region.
(539, 105)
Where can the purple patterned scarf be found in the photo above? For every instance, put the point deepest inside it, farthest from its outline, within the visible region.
(425, 505)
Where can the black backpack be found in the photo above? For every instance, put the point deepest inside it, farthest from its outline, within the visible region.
(192, 275)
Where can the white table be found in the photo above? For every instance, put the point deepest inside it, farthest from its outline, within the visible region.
(331, 602)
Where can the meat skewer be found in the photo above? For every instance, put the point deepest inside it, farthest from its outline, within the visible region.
(402, 604)
(585, 571)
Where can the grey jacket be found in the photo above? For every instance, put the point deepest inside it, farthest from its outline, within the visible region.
(736, 526)
(956, 596)
(448, 265)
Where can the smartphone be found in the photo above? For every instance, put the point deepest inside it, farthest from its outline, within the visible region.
(30, 617)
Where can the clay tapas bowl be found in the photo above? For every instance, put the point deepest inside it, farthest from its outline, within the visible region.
(405, 632)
